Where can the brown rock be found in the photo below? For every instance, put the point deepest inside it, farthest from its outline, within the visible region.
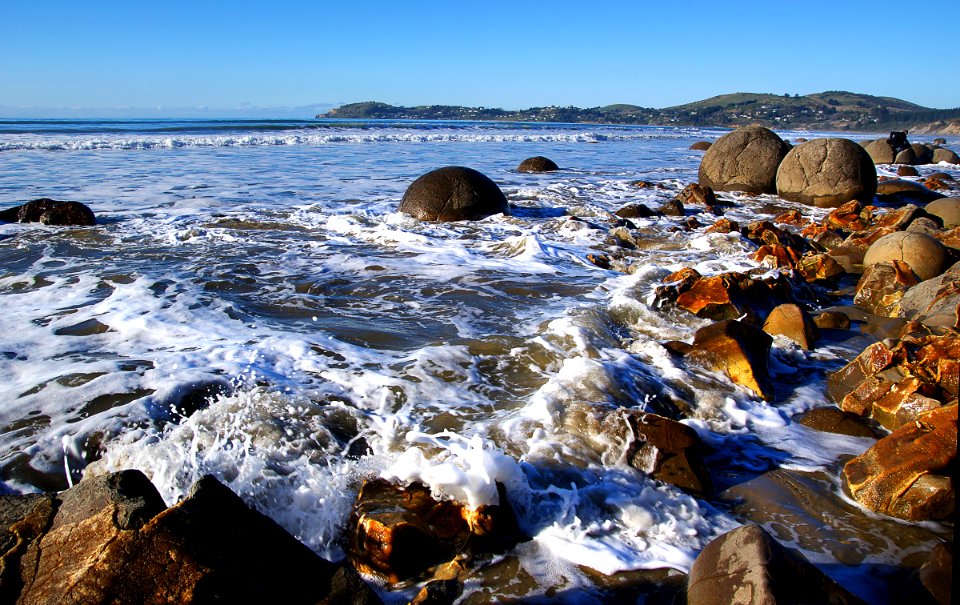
(50, 212)
(723, 225)
(700, 146)
(748, 567)
(850, 217)
(790, 217)
(826, 173)
(898, 218)
(453, 193)
(401, 531)
(694, 193)
(945, 155)
(793, 322)
(830, 419)
(832, 320)
(899, 191)
(765, 232)
(537, 164)
(907, 171)
(923, 153)
(439, 592)
(662, 448)
(672, 208)
(882, 286)
(110, 541)
(777, 256)
(743, 160)
(947, 209)
(881, 152)
(818, 267)
(905, 474)
(739, 350)
(936, 184)
(936, 301)
(907, 156)
(936, 574)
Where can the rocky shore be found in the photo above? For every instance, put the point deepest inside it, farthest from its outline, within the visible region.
(884, 260)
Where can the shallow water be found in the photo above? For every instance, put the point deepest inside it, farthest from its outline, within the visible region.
(251, 305)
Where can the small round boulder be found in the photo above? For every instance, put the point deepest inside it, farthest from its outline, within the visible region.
(537, 164)
(880, 151)
(453, 193)
(944, 155)
(946, 209)
(827, 173)
(924, 254)
(700, 146)
(743, 160)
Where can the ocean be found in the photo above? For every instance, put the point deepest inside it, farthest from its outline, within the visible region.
(251, 305)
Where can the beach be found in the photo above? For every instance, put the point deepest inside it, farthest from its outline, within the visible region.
(251, 305)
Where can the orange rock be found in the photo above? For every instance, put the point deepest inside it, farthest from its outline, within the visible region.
(851, 216)
(695, 193)
(790, 217)
(793, 322)
(779, 256)
(818, 267)
(737, 349)
(905, 474)
(882, 286)
(935, 184)
(723, 225)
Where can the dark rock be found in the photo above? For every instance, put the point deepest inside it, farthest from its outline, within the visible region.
(922, 253)
(898, 140)
(739, 350)
(899, 191)
(743, 160)
(936, 574)
(826, 173)
(672, 208)
(746, 566)
(110, 541)
(537, 164)
(830, 419)
(923, 153)
(907, 156)
(662, 448)
(453, 193)
(50, 212)
(700, 146)
(926, 225)
(943, 176)
(439, 592)
(907, 171)
(635, 211)
(939, 141)
(906, 474)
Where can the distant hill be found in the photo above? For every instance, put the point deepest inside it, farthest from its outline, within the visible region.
(832, 110)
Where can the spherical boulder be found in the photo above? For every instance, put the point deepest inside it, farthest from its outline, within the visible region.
(907, 171)
(453, 193)
(946, 209)
(743, 160)
(924, 254)
(827, 173)
(537, 164)
(700, 146)
(944, 155)
(907, 156)
(924, 154)
(881, 152)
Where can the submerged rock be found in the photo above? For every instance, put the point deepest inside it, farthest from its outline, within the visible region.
(700, 146)
(827, 173)
(50, 212)
(936, 574)
(110, 540)
(537, 163)
(906, 474)
(746, 566)
(830, 419)
(743, 160)
(453, 193)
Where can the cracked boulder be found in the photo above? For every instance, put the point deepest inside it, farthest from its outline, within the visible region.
(922, 253)
(747, 566)
(110, 539)
(827, 173)
(907, 473)
(881, 151)
(453, 193)
(947, 209)
(743, 160)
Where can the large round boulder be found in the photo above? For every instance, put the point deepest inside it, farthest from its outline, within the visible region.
(537, 163)
(947, 209)
(944, 155)
(453, 193)
(907, 156)
(881, 152)
(924, 154)
(827, 173)
(924, 254)
(743, 160)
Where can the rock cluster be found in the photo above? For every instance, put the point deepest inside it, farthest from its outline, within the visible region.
(111, 539)
(889, 151)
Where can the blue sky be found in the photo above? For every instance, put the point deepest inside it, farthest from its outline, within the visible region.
(171, 56)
